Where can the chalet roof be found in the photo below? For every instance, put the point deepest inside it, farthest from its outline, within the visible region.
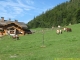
(6, 22)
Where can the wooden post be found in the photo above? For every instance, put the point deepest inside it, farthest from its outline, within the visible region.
(8, 32)
(43, 39)
(15, 31)
(43, 36)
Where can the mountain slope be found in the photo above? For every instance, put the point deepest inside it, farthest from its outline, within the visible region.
(63, 14)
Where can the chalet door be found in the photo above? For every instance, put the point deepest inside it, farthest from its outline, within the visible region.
(17, 32)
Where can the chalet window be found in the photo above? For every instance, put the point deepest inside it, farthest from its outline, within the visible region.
(11, 32)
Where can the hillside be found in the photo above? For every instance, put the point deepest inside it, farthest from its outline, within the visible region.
(62, 14)
(65, 46)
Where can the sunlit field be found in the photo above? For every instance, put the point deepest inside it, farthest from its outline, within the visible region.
(42, 46)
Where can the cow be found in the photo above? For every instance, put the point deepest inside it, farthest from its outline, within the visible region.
(15, 37)
(59, 31)
(68, 29)
(64, 29)
(59, 26)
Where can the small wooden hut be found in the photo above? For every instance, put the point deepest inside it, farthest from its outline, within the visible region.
(12, 27)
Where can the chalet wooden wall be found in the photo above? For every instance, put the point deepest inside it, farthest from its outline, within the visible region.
(12, 25)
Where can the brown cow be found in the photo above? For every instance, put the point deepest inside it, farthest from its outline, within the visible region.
(68, 29)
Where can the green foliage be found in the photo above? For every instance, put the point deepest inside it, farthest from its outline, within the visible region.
(78, 16)
(62, 14)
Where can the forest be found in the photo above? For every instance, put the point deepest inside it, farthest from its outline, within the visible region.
(63, 14)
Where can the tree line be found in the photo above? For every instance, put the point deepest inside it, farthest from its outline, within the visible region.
(62, 14)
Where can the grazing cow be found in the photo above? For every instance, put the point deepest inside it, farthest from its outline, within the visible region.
(59, 26)
(59, 31)
(64, 29)
(68, 29)
(15, 37)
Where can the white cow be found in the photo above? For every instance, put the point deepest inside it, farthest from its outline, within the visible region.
(59, 31)
(59, 26)
(64, 29)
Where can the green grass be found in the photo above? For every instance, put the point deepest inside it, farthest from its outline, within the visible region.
(66, 45)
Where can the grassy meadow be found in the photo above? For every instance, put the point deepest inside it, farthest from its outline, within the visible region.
(30, 47)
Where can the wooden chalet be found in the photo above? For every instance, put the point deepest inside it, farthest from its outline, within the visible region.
(13, 27)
